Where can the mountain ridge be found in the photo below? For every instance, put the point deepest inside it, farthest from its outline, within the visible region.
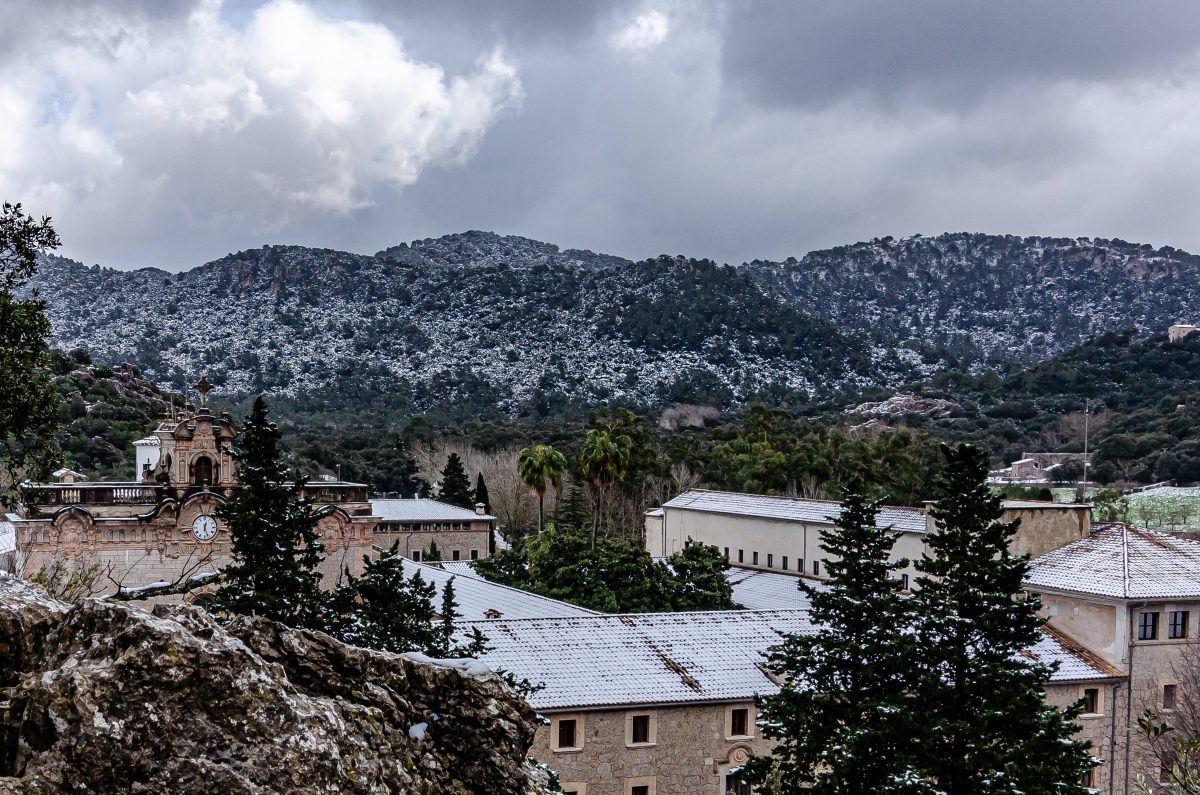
(526, 328)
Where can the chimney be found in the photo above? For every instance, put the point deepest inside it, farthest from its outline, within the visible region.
(480, 509)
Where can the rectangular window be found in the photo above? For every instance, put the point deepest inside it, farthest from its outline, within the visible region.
(739, 722)
(1089, 779)
(456, 555)
(417, 555)
(816, 568)
(736, 783)
(904, 581)
(800, 565)
(755, 563)
(566, 733)
(1091, 700)
(1147, 626)
(770, 561)
(474, 554)
(640, 729)
(1169, 694)
(639, 789)
(784, 561)
(741, 556)
(726, 553)
(1177, 624)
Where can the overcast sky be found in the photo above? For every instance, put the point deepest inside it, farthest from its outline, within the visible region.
(169, 133)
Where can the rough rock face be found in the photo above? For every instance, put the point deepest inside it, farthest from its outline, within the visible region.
(103, 697)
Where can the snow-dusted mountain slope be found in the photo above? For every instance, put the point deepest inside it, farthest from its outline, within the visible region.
(520, 324)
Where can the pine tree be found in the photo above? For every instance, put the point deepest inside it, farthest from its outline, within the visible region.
(456, 487)
(843, 718)
(986, 726)
(571, 512)
(698, 579)
(275, 545)
(481, 494)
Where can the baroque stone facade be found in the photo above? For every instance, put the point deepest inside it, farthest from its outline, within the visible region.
(164, 527)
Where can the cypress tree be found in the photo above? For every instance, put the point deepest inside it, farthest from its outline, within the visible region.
(456, 487)
(275, 545)
(481, 494)
(843, 718)
(987, 728)
(448, 614)
(433, 554)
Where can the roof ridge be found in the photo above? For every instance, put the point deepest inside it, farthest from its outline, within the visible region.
(514, 589)
(784, 497)
(616, 616)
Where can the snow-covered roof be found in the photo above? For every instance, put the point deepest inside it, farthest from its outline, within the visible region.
(58, 473)
(422, 510)
(462, 568)
(1124, 562)
(908, 520)
(480, 599)
(149, 441)
(763, 590)
(654, 658)
(1075, 663)
(655, 512)
(679, 658)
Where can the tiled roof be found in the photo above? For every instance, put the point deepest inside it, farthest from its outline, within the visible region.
(477, 597)
(762, 590)
(679, 658)
(1124, 562)
(462, 568)
(655, 658)
(422, 510)
(908, 520)
(1075, 662)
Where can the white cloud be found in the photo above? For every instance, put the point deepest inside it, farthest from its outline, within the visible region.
(292, 113)
(645, 32)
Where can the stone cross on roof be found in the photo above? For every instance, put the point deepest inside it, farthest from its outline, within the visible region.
(203, 387)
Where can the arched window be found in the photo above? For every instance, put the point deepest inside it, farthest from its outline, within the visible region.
(202, 471)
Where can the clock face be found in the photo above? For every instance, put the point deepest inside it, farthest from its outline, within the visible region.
(204, 528)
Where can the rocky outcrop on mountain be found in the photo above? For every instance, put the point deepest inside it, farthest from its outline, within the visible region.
(517, 327)
(101, 697)
(904, 405)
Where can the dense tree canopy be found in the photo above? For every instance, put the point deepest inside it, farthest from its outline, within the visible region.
(28, 401)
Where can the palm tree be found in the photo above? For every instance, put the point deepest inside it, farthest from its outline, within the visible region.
(603, 461)
(537, 467)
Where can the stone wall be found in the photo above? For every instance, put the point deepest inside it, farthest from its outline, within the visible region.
(448, 542)
(691, 750)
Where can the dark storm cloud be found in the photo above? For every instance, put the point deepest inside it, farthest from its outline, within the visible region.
(946, 51)
(168, 133)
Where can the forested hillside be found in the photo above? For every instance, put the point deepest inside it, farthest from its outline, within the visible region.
(1144, 394)
(482, 326)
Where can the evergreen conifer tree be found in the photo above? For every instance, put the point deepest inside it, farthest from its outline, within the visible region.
(481, 494)
(275, 545)
(986, 727)
(571, 512)
(455, 488)
(449, 612)
(385, 610)
(698, 571)
(843, 719)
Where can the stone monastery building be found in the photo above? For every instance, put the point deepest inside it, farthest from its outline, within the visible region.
(163, 528)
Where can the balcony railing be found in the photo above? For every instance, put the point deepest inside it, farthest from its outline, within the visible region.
(57, 495)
